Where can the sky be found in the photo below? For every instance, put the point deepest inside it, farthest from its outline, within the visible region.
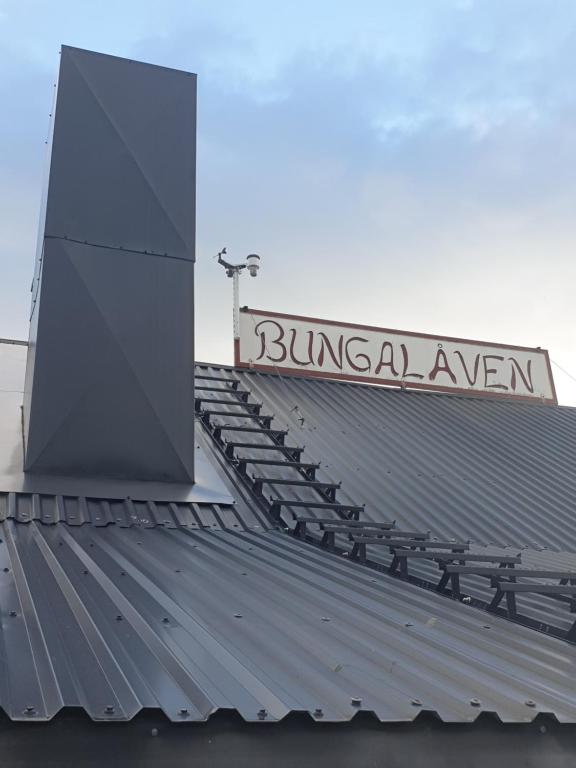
(409, 164)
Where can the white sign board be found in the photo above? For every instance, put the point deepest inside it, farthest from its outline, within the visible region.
(311, 347)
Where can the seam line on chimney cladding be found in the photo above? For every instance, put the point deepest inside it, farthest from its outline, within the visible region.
(116, 248)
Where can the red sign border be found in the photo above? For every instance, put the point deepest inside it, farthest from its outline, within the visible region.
(394, 382)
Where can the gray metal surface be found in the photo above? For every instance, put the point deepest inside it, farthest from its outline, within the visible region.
(208, 486)
(112, 326)
(123, 155)
(496, 472)
(151, 741)
(79, 510)
(539, 608)
(233, 508)
(113, 620)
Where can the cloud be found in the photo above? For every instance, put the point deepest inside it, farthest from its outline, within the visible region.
(407, 165)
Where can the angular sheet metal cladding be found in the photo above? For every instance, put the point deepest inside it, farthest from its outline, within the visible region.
(109, 380)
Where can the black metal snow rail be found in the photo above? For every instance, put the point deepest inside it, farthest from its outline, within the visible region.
(220, 424)
(358, 538)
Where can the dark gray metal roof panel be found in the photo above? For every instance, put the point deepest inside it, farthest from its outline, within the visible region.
(112, 320)
(114, 620)
(497, 472)
(125, 513)
(124, 144)
(536, 607)
(112, 357)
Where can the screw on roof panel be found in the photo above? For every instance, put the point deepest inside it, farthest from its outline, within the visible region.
(475, 702)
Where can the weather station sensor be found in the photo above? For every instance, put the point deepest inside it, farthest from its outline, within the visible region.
(252, 264)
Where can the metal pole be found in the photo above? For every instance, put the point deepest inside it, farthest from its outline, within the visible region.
(236, 310)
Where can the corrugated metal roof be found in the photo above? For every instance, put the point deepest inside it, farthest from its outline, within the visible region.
(114, 607)
(496, 472)
(540, 609)
(304, 406)
(115, 619)
(78, 510)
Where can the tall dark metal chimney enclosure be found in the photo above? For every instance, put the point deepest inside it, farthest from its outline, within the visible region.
(109, 380)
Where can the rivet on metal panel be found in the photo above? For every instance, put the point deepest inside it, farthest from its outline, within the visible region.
(165, 620)
(530, 703)
(474, 702)
(109, 709)
(416, 703)
(5, 570)
(122, 573)
(183, 712)
(356, 701)
(487, 626)
(467, 600)
(177, 570)
(408, 624)
(324, 618)
(119, 617)
(154, 732)
(13, 613)
(29, 710)
(542, 729)
(262, 714)
(318, 712)
(85, 572)
(243, 573)
(237, 615)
